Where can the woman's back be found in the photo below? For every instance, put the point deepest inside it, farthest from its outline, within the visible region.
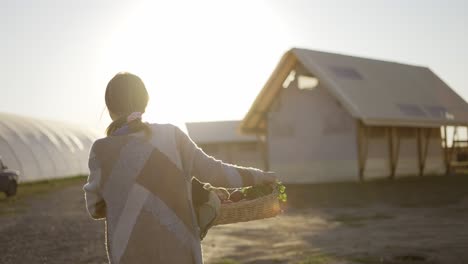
(146, 195)
(140, 182)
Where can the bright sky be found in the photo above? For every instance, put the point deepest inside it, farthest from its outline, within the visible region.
(204, 60)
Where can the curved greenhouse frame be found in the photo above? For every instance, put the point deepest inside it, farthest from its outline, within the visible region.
(43, 150)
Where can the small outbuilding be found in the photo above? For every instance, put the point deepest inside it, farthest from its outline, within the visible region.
(327, 117)
(223, 141)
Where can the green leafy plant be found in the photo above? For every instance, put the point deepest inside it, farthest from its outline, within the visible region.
(283, 197)
(254, 192)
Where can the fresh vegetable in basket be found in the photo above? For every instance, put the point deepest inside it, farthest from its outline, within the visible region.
(283, 197)
(253, 192)
(236, 196)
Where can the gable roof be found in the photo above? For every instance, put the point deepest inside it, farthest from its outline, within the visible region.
(217, 132)
(376, 92)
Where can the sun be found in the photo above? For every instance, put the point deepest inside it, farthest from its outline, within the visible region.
(197, 64)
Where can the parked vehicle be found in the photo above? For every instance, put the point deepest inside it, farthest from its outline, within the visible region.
(8, 179)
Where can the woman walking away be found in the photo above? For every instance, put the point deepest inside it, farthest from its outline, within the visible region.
(140, 182)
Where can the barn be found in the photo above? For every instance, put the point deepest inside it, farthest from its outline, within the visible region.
(43, 150)
(222, 140)
(325, 117)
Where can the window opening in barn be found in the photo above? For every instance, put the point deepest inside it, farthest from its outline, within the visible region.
(411, 110)
(436, 111)
(305, 82)
(449, 116)
(291, 77)
(344, 72)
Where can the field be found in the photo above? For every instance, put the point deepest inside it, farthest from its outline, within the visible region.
(414, 220)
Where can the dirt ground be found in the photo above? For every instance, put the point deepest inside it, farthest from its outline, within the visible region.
(418, 220)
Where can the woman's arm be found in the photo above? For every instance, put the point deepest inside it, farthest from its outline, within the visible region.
(94, 201)
(208, 169)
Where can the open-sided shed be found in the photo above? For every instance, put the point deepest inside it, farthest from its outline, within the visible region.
(221, 140)
(331, 117)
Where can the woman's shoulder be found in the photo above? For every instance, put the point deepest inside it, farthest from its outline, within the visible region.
(163, 126)
(107, 142)
(158, 129)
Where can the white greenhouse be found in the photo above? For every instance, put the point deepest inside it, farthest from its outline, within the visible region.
(43, 150)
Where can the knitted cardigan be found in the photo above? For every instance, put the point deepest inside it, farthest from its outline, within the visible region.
(142, 188)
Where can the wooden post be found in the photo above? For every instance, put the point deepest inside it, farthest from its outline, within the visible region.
(419, 145)
(391, 152)
(394, 150)
(424, 137)
(426, 148)
(362, 143)
(359, 150)
(446, 152)
(454, 143)
(466, 138)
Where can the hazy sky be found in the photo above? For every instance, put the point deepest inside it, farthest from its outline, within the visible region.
(204, 60)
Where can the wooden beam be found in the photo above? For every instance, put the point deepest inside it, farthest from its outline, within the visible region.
(397, 149)
(418, 146)
(267, 146)
(426, 149)
(269, 92)
(359, 150)
(452, 149)
(362, 146)
(394, 150)
(423, 138)
(390, 152)
(466, 130)
(446, 152)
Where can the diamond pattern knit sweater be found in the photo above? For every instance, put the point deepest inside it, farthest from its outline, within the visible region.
(142, 188)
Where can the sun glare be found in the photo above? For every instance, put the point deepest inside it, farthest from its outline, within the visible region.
(199, 64)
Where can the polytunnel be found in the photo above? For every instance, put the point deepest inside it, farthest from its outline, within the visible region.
(43, 150)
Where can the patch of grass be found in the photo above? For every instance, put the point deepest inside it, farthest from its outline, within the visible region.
(227, 261)
(367, 260)
(357, 220)
(16, 204)
(318, 259)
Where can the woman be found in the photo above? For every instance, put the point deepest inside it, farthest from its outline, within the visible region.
(140, 182)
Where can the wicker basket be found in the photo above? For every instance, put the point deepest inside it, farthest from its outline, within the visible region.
(247, 210)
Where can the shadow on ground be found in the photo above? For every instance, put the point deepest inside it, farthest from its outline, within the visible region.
(414, 220)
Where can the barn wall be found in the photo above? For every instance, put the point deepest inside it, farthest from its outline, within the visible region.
(311, 138)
